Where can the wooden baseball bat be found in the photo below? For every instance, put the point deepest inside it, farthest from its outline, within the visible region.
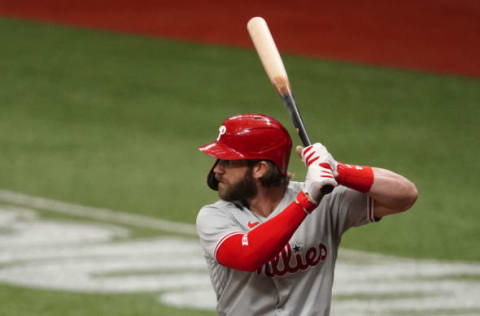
(273, 64)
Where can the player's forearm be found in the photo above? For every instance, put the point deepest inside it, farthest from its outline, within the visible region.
(250, 251)
(392, 191)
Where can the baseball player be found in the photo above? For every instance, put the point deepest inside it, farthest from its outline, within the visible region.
(271, 243)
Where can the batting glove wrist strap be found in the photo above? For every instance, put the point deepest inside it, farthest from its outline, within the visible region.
(305, 202)
(359, 178)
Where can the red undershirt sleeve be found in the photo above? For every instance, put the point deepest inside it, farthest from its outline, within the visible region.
(249, 251)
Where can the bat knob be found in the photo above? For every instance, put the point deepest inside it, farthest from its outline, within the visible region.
(327, 189)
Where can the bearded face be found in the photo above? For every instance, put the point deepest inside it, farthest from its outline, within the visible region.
(238, 189)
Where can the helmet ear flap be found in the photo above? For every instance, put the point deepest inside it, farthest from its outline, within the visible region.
(211, 180)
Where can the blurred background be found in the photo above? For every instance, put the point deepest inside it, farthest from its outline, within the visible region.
(104, 103)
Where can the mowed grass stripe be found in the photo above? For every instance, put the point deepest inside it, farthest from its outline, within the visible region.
(98, 214)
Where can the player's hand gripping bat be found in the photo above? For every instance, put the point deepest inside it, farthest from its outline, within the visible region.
(272, 62)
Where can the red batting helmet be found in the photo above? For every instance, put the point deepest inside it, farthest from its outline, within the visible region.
(250, 136)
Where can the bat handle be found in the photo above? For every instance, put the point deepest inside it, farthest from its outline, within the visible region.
(291, 106)
(292, 109)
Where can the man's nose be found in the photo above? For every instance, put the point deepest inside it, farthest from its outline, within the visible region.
(219, 168)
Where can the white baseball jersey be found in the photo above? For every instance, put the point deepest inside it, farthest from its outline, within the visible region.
(298, 281)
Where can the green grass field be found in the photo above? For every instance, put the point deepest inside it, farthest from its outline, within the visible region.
(47, 303)
(113, 120)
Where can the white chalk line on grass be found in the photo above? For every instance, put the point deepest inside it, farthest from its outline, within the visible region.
(77, 256)
(101, 214)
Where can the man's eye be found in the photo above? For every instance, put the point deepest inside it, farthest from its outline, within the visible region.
(225, 163)
(228, 163)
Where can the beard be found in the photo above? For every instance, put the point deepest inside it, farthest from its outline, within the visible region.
(240, 191)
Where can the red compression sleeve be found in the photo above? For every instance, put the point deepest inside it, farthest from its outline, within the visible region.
(250, 251)
(355, 177)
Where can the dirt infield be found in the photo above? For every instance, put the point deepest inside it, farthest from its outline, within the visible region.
(440, 36)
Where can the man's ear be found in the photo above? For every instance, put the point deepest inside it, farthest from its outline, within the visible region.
(260, 169)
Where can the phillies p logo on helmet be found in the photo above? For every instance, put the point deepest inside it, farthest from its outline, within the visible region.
(221, 130)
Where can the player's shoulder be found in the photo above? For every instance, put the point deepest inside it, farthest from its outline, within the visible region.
(294, 187)
(342, 192)
(220, 208)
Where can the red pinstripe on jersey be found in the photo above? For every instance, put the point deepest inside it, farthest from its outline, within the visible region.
(371, 210)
